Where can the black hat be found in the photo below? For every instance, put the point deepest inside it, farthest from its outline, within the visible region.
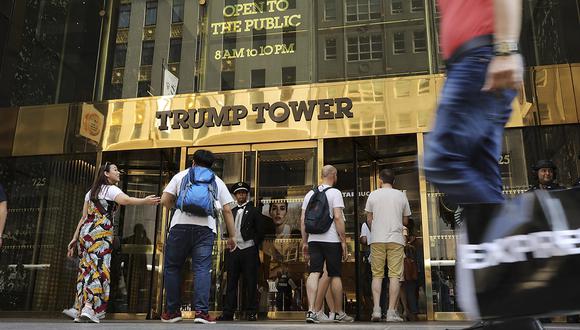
(544, 163)
(240, 186)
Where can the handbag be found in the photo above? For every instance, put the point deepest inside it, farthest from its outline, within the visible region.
(521, 258)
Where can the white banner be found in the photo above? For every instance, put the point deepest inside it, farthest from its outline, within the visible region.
(170, 82)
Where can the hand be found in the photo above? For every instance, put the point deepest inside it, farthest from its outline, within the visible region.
(231, 244)
(504, 72)
(152, 200)
(305, 251)
(70, 253)
(344, 251)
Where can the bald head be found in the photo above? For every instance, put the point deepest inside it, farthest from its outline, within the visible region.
(329, 176)
(328, 170)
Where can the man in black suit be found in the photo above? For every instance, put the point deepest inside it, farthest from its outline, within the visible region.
(244, 258)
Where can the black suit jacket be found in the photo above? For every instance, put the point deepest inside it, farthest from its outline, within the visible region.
(252, 224)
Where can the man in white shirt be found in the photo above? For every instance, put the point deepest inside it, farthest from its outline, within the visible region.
(193, 236)
(328, 247)
(387, 211)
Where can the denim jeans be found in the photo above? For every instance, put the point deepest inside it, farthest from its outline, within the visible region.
(183, 241)
(464, 147)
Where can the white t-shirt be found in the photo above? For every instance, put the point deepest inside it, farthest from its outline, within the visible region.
(334, 197)
(182, 218)
(365, 232)
(108, 192)
(388, 207)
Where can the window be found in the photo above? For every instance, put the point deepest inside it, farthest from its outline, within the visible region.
(228, 78)
(116, 91)
(147, 52)
(360, 10)
(174, 50)
(124, 16)
(229, 41)
(289, 76)
(151, 13)
(330, 49)
(258, 78)
(399, 43)
(419, 42)
(417, 5)
(177, 11)
(330, 10)
(120, 55)
(258, 38)
(364, 47)
(396, 7)
(289, 36)
(143, 88)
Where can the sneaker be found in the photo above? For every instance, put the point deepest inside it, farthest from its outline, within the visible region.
(323, 318)
(376, 316)
(101, 315)
(343, 318)
(77, 320)
(252, 317)
(88, 315)
(171, 317)
(312, 317)
(205, 318)
(73, 313)
(392, 316)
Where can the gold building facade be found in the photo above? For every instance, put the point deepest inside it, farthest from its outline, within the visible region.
(358, 89)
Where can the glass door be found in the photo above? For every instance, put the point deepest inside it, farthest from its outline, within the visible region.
(284, 177)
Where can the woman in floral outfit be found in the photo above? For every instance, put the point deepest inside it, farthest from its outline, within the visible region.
(94, 239)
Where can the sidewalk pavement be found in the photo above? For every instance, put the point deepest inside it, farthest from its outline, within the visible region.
(53, 324)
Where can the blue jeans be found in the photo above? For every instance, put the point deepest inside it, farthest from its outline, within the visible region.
(463, 150)
(184, 241)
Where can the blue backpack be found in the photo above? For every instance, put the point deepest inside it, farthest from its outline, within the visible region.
(198, 192)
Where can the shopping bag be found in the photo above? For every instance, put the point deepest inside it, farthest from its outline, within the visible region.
(521, 257)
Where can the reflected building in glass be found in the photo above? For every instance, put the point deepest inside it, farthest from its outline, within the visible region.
(276, 89)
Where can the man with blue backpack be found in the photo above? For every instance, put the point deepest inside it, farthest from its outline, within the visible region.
(324, 242)
(197, 195)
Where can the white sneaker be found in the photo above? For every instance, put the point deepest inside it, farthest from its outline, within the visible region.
(331, 316)
(101, 315)
(88, 315)
(392, 316)
(343, 318)
(325, 319)
(73, 313)
(77, 320)
(376, 315)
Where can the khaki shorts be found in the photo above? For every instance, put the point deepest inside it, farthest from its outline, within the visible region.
(393, 254)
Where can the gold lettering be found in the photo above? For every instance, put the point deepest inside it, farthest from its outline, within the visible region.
(229, 11)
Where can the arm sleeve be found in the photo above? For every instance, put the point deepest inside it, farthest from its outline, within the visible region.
(306, 200)
(224, 196)
(112, 192)
(171, 187)
(369, 205)
(338, 200)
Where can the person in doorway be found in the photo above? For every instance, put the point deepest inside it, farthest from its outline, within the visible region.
(387, 212)
(328, 247)
(546, 173)
(244, 259)
(93, 238)
(480, 45)
(193, 236)
(3, 212)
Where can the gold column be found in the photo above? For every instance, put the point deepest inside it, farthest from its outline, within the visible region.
(425, 226)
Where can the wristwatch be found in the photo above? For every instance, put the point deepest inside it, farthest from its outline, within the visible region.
(506, 48)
